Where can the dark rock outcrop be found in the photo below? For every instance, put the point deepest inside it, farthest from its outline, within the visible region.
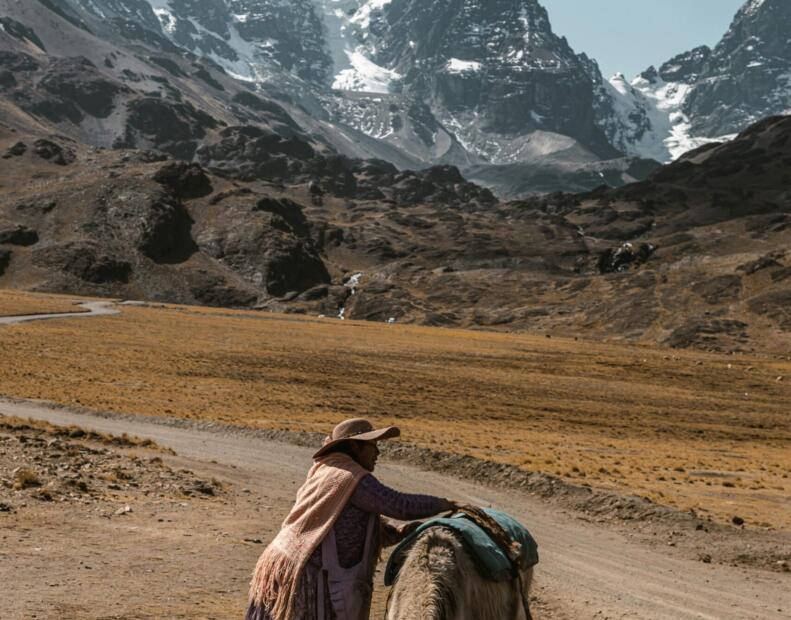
(174, 128)
(154, 223)
(15, 150)
(623, 258)
(5, 260)
(18, 235)
(77, 81)
(53, 152)
(185, 180)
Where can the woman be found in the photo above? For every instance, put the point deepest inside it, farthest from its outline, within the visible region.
(320, 566)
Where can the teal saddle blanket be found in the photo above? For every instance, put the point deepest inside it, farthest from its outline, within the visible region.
(490, 559)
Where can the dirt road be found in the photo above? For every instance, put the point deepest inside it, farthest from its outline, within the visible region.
(586, 570)
(92, 308)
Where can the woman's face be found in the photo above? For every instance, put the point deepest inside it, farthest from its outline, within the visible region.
(366, 452)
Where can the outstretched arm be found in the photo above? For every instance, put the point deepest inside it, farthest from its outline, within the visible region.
(372, 496)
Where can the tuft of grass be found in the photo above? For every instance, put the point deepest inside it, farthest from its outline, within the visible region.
(13, 423)
(26, 478)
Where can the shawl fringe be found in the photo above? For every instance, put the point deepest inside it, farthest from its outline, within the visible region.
(320, 501)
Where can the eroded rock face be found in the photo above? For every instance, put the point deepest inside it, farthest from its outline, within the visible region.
(266, 242)
(84, 261)
(17, 62)
(249, 152)
(707, 333)
(174, 128)
(151, 222)
(69, 89)
(20, 32)
(77, 81)
(774, 305)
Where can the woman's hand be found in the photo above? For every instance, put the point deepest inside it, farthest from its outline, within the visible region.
(449, 505)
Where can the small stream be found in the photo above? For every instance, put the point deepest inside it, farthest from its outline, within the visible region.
(352, 283)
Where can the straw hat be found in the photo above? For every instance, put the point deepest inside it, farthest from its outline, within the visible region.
(357, 429)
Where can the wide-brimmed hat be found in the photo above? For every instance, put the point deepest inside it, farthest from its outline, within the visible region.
(358, 429)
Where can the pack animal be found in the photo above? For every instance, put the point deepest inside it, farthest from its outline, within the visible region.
(440, 581)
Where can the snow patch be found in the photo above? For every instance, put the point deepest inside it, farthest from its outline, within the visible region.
(752, 7)
(363, 15)
(455, 65)
(364, 75)
(167, 20)
(653, 119)
(346, 24)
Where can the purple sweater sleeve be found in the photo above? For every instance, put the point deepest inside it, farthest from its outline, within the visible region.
(372, 496)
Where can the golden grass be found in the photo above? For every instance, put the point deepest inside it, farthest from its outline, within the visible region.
(688, 429)
(17, 302)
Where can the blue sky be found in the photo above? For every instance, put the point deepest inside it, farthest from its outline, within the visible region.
(630, 35)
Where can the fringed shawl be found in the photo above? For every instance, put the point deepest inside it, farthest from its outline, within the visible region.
(321, 499)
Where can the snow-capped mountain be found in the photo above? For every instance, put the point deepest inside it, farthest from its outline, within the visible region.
(471, 83)
(706, 94)
(465, 82)
(492, 72)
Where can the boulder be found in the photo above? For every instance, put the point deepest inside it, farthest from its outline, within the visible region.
(53, 152)
(15, 150)
(185, 179)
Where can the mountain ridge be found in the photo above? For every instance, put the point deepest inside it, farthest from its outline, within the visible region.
(708, 94)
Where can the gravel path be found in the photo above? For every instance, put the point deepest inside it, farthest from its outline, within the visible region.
(92, 308)
(586, 570)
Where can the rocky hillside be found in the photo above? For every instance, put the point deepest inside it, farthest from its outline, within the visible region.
(706, 94)
(697, 255)
(135, 161)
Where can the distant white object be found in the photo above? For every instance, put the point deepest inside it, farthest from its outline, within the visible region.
(391, 320)
(342, 314)
(322, 316)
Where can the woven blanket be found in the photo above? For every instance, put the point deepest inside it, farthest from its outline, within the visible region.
(492, 563)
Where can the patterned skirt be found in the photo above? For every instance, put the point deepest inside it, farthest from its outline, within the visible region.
(306, 603)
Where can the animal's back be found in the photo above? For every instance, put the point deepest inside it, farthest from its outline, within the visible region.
(439, 581)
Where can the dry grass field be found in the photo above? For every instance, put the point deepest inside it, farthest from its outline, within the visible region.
(16, 302)
(694, 430)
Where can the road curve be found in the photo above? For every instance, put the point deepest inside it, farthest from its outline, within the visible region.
(92, 308)
(586, 570)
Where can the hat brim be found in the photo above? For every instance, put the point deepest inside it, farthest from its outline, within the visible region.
(379, 434)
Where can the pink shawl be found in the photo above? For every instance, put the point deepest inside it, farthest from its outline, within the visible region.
(328, 488)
